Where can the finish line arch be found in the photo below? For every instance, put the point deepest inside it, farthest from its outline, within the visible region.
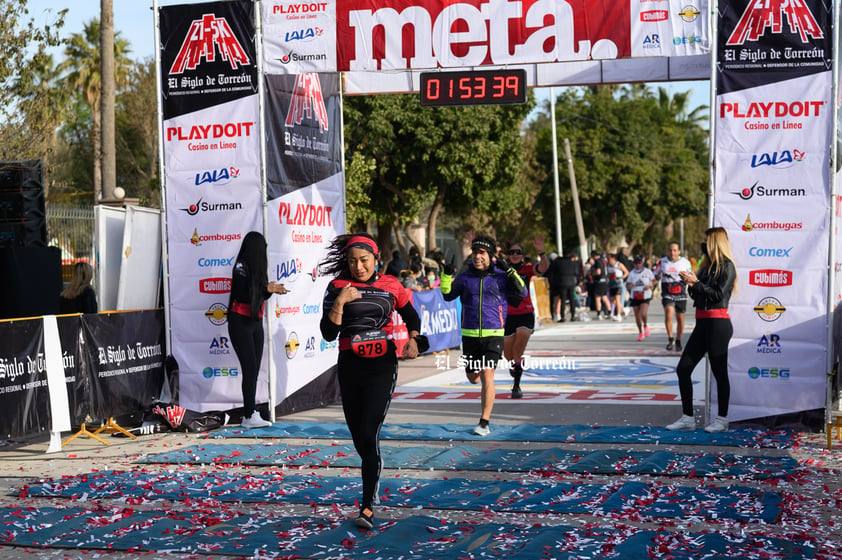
(279, 72)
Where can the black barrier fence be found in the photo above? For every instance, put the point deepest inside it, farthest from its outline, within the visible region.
(113, 366)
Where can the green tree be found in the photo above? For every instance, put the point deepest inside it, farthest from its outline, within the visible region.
(411, 163)
(137, 134)
(28, 104)
(83, 67)
(640, 161)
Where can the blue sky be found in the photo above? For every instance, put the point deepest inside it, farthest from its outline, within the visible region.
(133, 19)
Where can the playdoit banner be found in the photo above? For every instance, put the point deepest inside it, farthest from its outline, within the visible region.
(773, 131)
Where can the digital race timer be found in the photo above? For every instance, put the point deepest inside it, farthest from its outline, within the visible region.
(479, 87)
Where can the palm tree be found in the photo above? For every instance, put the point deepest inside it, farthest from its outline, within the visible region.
(83, 65)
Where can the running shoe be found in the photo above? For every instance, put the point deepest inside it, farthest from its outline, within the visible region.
(616, 318)
(639, 337)
(482, 430)
(678, 344)
(645, 331)
(365, 520)
(718, 425)
(517, 392)
(685, 424)
(255, 421)
(670, 345)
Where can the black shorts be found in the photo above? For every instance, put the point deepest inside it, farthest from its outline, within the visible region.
(481, 353)
(680, 305)
(615, 291)
(515, 322)
(637, 302)
(600, 288)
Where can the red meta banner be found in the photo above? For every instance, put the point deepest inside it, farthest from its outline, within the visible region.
(402, 34)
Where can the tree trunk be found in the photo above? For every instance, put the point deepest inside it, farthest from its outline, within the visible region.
(108, 147)
(438, 202)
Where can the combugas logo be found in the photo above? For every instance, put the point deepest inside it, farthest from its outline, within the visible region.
(774, 225)
(769, 309)
(762, 15)
(205, 38)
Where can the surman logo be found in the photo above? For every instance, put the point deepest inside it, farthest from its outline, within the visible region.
(761, 14)
(307, 102)
(205, 36)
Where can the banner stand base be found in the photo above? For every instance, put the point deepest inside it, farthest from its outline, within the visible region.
(112, 426)
(83, 431)
(835, 422)
(55, 442)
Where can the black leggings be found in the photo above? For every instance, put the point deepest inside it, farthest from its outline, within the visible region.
(367, 385)
(246, 336)
(710, 336)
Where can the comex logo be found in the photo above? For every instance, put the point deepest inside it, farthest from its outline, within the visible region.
(205, 36)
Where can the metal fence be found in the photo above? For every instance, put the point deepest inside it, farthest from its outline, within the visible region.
(71, 229)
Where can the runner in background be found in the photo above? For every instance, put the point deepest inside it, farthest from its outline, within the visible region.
(640, 282)
(673, 292)
(520, 319)
(486, 289)
(617, 274)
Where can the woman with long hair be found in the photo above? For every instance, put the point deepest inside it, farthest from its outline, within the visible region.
(79, 296)
(250, 288)
(711, 291)
(358, 306)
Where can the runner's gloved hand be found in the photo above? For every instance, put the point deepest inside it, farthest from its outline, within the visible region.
(448, 268)
(503, 264)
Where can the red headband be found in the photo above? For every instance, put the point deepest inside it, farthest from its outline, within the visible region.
(367, 243)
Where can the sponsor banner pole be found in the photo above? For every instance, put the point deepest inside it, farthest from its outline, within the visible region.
(834, 257)
(165, 270)
(261, 111)
(772, 188)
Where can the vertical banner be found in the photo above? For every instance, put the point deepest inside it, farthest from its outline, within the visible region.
(213, 191)
(306, 192)
(773, 130)
(24, 394)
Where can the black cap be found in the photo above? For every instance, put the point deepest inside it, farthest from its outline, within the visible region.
(638, 258)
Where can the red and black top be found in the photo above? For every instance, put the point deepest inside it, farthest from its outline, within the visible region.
(380, 296)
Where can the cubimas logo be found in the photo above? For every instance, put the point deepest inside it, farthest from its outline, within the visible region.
(763, 14)
(654, 15)
(748, 192)
(770, 278)
(774, 225)
(205, 38)
(769, 309)
(215, 285)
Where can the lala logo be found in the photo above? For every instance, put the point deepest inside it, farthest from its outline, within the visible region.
(781, 160)
(761, 14)
(204, 37)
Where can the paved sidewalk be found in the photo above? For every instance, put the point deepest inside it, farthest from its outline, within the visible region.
(812, 499)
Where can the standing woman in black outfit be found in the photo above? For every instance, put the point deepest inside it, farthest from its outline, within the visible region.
(79, 296)
(711, 291)
(250, 288)
(358, 307)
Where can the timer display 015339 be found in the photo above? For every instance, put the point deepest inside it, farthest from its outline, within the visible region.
(475, 87)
